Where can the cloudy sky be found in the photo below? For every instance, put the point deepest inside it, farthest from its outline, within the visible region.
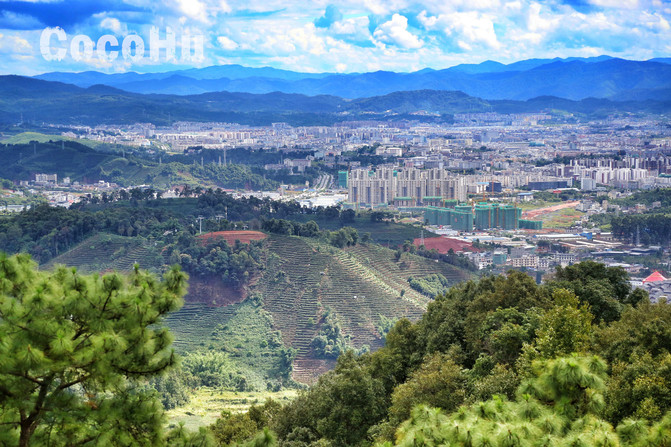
(333, 36)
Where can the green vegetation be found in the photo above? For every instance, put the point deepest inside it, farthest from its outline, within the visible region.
(206, 405)
(497, 357)
(106, 252)
(280, 277)
(384, 232)
(243, 335)
(344, 237)
(234, 265)
(430, 285)
(74, 354)
(330, 341)
(309, 278)
(82, 163)
(500, 361)
(652, 228)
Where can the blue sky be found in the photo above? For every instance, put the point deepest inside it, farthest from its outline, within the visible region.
(338, 36)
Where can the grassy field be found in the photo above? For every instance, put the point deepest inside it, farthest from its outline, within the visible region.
(535, 204)
(207, 404)
(562, 218)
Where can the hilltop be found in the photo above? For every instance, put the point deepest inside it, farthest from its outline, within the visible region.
(29, 153)
(305, 287)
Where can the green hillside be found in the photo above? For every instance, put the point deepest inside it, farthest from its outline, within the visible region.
(360, 285)
(286, 305)
(108, 252)
(67, 158)
(28, 137)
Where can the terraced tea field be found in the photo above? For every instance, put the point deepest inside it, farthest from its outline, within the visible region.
(301, 279)
(192, 325)
(359, 284)
(108, 252)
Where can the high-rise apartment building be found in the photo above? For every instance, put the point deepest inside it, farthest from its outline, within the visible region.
(383, 185)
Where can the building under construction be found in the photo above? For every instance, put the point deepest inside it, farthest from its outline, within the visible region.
(483, 216)
(457, 220)
(493, 215)
(404, 186)
(531, 224)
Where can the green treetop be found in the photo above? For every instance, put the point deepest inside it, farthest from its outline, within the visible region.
(72, 349)
(561, 406)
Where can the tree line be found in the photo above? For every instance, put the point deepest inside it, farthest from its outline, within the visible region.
(510, 361)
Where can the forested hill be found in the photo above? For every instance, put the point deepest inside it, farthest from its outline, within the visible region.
(43, 101)
(346, 289)
(113, 164)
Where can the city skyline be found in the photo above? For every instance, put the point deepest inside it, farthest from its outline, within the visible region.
(327, 36)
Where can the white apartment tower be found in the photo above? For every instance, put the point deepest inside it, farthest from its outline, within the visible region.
(383, 185)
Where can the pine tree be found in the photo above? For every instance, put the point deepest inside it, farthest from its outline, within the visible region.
(560, 407)
(73, 348)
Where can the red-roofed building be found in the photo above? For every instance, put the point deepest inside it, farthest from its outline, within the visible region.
(654, 277)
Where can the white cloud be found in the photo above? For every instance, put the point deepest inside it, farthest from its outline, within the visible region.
(226, 43)
(15, 44)
(307, 40)
(513, 6)
(224, 6)
(114, 25)
(532, 38)
(537, 23)
(470, 28)
(624, 4)
(378, 7)
(503, 30)
(429, 22)
(355, 26)
(395, 31)
(193, 9)
(655, 21)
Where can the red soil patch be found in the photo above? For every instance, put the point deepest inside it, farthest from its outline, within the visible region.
(244, 236)
(444, 244)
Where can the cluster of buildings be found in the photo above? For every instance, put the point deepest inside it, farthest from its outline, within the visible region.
(470, 177)
(404, 187)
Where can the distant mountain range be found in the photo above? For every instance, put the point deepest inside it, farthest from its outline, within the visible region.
(571, 78)
(34, 100)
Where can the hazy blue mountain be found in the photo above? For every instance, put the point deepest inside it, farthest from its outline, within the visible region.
(35, 100)
(88, 78)
(240, 72)
(571, 78)
(528, 64)
(661, 60)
